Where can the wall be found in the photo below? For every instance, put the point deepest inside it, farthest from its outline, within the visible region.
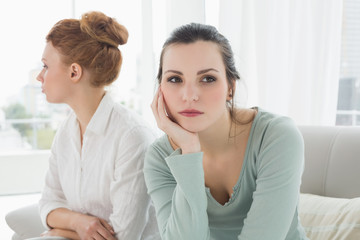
(23, 172)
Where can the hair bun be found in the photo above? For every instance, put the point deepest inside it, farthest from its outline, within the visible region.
(104, 29)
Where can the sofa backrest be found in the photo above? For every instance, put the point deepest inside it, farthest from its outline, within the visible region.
(332, 161)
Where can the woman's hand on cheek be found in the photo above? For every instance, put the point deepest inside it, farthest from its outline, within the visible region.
(187, 141)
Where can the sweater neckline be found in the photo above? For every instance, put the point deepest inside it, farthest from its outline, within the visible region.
(236, 188)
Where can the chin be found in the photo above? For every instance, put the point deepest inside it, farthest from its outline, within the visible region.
(49, 100)
(52, 100)
(192, 127)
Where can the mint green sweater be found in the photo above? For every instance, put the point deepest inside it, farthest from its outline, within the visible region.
(265, 198)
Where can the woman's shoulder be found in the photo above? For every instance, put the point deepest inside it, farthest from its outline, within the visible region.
(262, 120)
(266, 120)
(128, 120)
(269, 126)
(277, 139)
(127, 115)
(157, 152)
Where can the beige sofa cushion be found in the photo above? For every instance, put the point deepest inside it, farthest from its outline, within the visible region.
(330, 218)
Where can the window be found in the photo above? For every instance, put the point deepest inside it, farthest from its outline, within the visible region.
(27, 120)
(348, 112)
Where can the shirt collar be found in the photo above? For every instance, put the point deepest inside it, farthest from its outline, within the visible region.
(101, 117)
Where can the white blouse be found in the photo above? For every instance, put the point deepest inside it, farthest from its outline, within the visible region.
(105, 177)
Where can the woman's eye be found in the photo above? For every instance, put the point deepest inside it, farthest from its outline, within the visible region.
(208, 79)
(174, 79)
(45, 66)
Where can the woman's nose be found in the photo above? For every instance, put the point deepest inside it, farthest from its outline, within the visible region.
(39, 76)
(190, 93)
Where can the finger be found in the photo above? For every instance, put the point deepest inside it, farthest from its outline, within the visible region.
(161, 107)
(107, 226)
(159, 112)
(155, 99)
(154, 106)
(162, 118)
(162, 112)
(97, 236)
(105, 234)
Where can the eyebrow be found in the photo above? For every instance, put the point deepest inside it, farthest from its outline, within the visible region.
(174, 71)
(198, 73)
(206, 70)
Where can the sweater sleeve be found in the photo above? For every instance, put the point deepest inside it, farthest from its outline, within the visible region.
(176, 185)
(279, 167)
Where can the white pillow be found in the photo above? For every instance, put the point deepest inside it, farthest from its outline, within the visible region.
(326, 218)
(25, 222)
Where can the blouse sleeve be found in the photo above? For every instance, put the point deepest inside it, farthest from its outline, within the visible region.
(52, 196)
(176, 186)
(279, 168)
(129, 197)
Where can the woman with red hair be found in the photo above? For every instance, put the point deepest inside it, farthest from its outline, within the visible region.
(94, 187)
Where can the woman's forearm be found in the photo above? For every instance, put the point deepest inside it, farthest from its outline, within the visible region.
(177, 189)
(62, 218)
(83, 225)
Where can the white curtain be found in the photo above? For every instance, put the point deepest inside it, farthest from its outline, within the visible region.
(288, 53)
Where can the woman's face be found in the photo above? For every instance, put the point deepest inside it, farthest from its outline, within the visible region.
(194, 85)
(55, 76)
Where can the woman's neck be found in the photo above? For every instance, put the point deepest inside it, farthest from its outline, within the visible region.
(226, 134)
(215, 139)
(85, 104)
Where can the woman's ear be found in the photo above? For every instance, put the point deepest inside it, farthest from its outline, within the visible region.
(231, 90)
(75, 72)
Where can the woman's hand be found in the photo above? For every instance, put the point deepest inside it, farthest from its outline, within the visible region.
(178, 136)
(64, 221)
(89, 227)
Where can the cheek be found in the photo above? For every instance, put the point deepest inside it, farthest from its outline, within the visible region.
(216, 97)
(47, 76)
(169, 100)
(169, 94)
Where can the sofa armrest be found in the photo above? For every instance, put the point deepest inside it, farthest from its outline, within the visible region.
(331, 161)
(25, 222)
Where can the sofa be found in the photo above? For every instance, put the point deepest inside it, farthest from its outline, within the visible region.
(329, 206)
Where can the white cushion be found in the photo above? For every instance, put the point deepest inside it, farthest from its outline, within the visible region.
(25, 222)
(330, 218)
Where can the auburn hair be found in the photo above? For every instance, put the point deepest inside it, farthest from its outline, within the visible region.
(92, 42)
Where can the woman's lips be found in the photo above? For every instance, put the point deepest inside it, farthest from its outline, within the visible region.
(190, 113)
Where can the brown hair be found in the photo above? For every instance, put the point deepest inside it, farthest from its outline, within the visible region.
(91, 42)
